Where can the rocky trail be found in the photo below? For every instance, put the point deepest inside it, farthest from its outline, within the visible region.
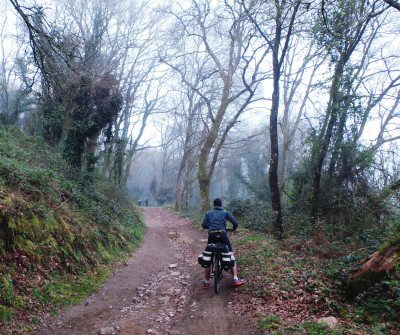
(158, 291)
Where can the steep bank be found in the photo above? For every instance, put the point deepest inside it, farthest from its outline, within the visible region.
(60, 231)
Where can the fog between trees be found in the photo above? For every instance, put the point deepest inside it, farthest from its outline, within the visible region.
(290, 104)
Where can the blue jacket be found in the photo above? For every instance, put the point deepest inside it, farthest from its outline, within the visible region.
(215, 219)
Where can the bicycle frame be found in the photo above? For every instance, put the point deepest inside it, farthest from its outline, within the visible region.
(216, 268)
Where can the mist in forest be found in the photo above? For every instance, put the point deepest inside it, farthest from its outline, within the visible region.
(293, 105)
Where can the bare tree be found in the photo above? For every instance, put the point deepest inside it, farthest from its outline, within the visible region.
(234, 73)
(133, 49)
(277, 33)
(189, 117)
(298, 81)
(14, 89)
(247, 160)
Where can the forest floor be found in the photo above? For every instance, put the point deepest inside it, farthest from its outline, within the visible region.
(158, 291)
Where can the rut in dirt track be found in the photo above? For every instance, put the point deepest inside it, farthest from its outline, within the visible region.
(158, 291)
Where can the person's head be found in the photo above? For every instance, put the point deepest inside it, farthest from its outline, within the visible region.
(217, 202)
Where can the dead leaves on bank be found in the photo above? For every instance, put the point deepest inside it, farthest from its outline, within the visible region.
(286, 285)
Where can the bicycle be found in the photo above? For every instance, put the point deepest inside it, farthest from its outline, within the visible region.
(221, 259)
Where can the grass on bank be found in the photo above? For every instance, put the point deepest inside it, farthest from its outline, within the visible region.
(60, 231)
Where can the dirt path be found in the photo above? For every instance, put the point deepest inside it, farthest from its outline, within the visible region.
(158, 291)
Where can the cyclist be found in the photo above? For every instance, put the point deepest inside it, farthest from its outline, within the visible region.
(215, 221)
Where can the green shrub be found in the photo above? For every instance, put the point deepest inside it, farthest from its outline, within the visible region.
(252, 214)
(6, 288)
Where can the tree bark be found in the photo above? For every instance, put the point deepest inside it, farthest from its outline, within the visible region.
(375, 268)
(179, 182)
(273, 167)
(393, 3)
(321, 145)
(204, 174)
(278, 56)
(186, 152)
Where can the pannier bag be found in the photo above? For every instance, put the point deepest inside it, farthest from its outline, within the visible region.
(228, 261)
(205, 259)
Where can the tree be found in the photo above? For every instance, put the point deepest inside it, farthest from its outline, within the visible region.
(233, 73)
(191, 103)
(96, 104)
(379, 265)
(88, 44)
(133, 48)
(298, 84)
(255, 178)
(15, 92)
(77, 84)
(277, 33)
(163, 190)
(340, 43)
(188, 118)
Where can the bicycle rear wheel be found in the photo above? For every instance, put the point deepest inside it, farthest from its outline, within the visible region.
(217, 270)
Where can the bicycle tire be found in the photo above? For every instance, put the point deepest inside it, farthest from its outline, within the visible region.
(217, 270)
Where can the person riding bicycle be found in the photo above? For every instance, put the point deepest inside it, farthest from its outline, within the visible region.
(215, 221)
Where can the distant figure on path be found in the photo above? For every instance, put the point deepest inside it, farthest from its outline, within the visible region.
(139, 202)
(147, 201)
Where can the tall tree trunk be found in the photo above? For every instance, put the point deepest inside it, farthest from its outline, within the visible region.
(204, 194)
(337, 143)
(184, 162)
(186, 194)
(205, 172)
(181, 183)
(179, 191)
(203, 175)
(321, 145)
(283, 23)
(284, 170)
(273, 167)
(187, 186)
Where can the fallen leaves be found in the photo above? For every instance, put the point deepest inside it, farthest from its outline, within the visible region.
(292, 288)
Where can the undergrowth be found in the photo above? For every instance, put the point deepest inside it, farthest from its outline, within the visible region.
(60, 231)
(294, 283)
